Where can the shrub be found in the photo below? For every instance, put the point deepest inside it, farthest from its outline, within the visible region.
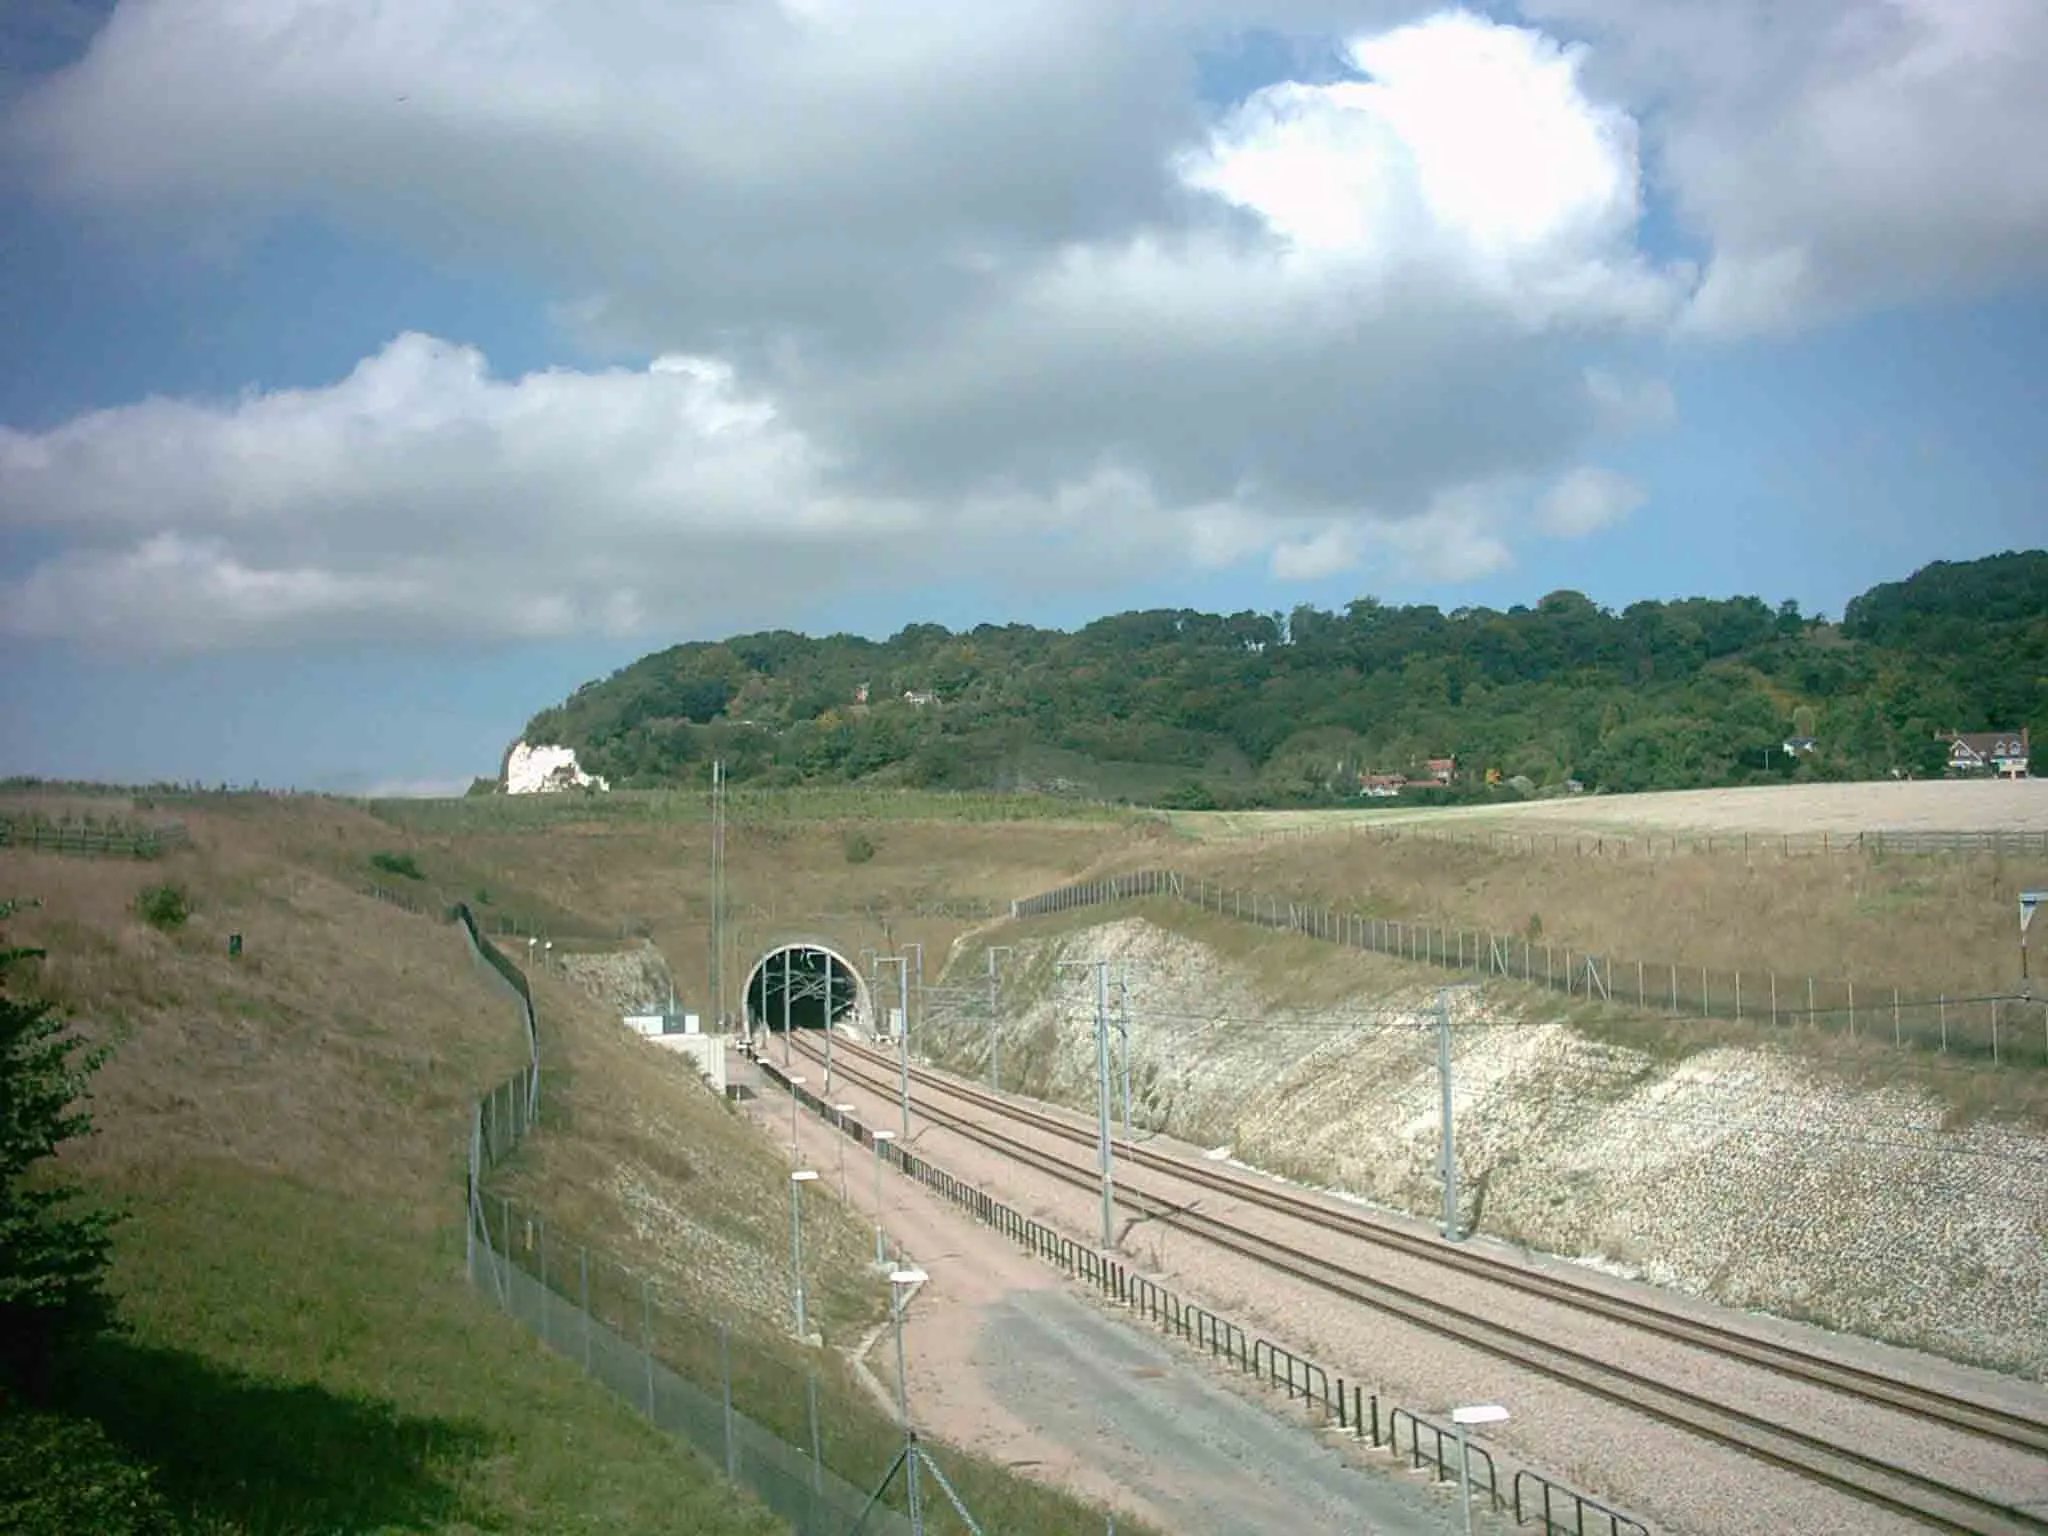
(52, 1254)
(62, 1476)
(164, 907)
(859, 847)
(401, 864)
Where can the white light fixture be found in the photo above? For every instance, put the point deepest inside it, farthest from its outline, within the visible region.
(802, 1176)
(1464, 1418)
(908, 1277)
(881, 1254)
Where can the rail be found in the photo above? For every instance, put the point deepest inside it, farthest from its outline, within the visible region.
(1355, 1412)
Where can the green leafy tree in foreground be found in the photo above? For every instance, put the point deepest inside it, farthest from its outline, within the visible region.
(53, 1252)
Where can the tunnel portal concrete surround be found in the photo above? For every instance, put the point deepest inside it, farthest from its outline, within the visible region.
(858, 1013)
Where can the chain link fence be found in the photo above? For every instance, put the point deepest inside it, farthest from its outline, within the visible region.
(1611, 845)
(761, 1410)
(2003, 1028)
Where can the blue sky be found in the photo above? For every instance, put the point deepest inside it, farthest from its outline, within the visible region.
(369, 380)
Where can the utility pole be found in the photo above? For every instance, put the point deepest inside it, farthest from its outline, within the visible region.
(902, 964)
(995, 1016)
(718, 892)
(1104, 1153)
(1447, 1157)
(1108, 1156)
(1123, 1027)
(785, 1007)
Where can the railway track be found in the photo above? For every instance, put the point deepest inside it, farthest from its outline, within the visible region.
(1899, 1489)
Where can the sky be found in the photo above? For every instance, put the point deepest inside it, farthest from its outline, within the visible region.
(371, 375)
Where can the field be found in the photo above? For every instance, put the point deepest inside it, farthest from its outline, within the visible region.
(1931, 805)
(286, 1130)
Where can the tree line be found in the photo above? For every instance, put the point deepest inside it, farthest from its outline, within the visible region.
(1182, 707)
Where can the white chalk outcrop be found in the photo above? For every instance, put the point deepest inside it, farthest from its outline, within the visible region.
(533, 770)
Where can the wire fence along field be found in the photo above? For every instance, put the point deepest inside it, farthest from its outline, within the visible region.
(92, 838)
(2004, 1028)
(1657, 845)
(687, 1373)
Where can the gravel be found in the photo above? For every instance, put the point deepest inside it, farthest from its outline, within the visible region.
(1682, 1482)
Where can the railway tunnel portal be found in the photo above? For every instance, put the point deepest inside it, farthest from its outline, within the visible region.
(807, 984)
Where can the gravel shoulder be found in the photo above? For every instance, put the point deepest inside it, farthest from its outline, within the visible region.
(1685, 1483)
(1007, 1360)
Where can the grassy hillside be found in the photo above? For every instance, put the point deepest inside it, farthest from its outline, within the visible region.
(1193, 709)
(286, 1130)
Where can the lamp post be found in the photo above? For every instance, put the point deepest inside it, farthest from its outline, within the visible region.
(1447, 1150)
(902, 964)
(842, 1110)
(880, 1137)
(797, 1181)
(1461, 1418)
(796, 1081)
(900, 1282)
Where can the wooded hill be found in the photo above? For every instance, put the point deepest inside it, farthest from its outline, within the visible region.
(1185, 708)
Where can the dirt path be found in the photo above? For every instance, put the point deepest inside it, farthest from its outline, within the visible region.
(1008, 1361)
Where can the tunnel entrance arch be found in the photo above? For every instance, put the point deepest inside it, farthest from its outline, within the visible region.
(810, 984)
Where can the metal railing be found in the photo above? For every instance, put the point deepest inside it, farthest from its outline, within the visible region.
(1334, 1400)
(2004, 1028)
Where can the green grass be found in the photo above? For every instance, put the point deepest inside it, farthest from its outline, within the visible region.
(518, 813)
(297, 1362)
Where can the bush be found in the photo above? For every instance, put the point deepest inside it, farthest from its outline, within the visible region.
(53, 1256)
(401, 864)
(859, 847)
(164, 907)
(62, 1476)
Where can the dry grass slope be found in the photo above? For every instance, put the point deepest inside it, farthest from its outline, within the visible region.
(289, 1129)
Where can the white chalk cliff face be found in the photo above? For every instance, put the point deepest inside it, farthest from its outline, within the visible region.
(546, 770)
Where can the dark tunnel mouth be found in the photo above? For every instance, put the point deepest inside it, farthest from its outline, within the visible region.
(817, 977)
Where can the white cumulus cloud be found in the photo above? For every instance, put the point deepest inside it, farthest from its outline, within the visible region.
(1587, 499)
(923, 290)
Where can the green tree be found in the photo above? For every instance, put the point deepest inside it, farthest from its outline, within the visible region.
(53, 1251)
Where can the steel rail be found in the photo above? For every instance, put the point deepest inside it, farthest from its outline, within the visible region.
(1924, 1498)
(2009, 1427)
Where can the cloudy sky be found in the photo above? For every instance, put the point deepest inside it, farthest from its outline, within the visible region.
(372, 374)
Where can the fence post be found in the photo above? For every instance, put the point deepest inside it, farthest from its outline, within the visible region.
(1898, 1034)
(647, 1348)
(817, 1439)
(1942, 1003)
(1852, 1008)
(1703, 992)
(1811, 1010)
(732, 1457)
(1674, 991)
(1774, 999)
(1994, 1031)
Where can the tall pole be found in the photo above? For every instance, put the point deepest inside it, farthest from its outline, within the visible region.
(785, 1006)
(1465, 1477)
(899, 1282)
(881, 1257)
(797, 1180)
(1104, 1154)
(827, 958)
(843, 1110)
(718, 892)
(1123, 1023)
(1448, 1152)
(996, 1076)
(796, 1081)
(903, 1043)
